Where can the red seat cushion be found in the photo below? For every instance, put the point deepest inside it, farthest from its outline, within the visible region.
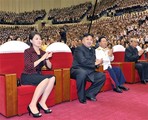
(107, 86)
(26, 89)
(73, 89)
(25, 93)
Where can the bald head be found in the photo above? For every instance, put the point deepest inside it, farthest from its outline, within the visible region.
(134, 42)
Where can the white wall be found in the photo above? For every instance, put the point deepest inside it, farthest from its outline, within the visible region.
(29, 5)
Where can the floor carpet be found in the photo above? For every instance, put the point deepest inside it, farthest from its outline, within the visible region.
(129, 105)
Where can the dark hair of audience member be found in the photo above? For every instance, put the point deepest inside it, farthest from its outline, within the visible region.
(31, 35)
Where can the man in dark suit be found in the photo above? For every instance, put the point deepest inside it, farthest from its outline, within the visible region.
(63, 35)
(133, 55)
(83, 69)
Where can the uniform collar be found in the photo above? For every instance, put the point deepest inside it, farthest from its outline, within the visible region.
(100, 48)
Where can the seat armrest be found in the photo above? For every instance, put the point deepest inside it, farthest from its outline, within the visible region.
(62, 83)
(8, 89)
(100, 68)
(66, 84)
(117, 64)
(129, 71)
(58, 87)
(142, 60)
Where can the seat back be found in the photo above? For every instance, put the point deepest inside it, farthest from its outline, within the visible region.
(11, 64)
(119, 52)
(62, 55)
(12, 57)
(118, 48)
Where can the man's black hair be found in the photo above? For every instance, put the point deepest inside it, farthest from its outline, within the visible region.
(87, 34)
(100, 38)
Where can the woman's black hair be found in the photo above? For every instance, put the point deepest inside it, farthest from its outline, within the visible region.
(32, 34)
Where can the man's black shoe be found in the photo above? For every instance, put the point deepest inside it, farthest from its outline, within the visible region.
(143, 82)
(91, 98)
(117, 89)
(82, 101)
(146, 80)
(123, 88)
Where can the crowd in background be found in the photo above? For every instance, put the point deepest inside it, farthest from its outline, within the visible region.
(117, 7)
(14, 33)
(117, 29)
(130, 3)
(25, 18)
(71, 14)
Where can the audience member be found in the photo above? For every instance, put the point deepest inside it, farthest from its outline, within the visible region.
(103, 52)
(83, 69)
(133, 55)
(35, 59)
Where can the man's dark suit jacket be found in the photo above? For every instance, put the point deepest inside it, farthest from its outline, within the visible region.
(84, 58)
(131, 54)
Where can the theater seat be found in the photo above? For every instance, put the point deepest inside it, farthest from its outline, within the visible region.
(15, 99)
(63, 59)
(128, 68)
(107, 85)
